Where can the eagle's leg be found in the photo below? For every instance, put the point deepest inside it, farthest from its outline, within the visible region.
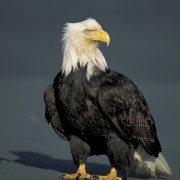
(120, 155)
(80, 151)
(111, 176)
(81, 173)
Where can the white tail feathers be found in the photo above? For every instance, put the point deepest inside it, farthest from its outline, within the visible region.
(149, 166)
(161, 166)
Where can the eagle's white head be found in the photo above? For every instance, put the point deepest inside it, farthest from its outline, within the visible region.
(80, 46)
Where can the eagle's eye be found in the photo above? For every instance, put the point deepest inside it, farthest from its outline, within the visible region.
(87, 31)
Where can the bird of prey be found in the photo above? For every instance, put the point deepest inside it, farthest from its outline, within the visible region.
(100, 111)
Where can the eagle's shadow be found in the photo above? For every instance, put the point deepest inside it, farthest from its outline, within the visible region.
(34, 159)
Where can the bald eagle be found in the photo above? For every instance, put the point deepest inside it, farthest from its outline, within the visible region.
(100, 111)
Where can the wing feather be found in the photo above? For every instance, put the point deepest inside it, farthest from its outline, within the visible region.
(51, 112)
(127, 109)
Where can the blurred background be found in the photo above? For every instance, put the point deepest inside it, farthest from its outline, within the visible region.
(145, 46)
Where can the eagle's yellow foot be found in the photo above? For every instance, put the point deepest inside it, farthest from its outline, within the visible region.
(81, 174)
(111, 176)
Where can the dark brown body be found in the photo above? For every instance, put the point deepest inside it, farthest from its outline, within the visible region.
(104, 115)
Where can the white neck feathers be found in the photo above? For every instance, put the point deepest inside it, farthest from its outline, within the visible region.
(83, 55)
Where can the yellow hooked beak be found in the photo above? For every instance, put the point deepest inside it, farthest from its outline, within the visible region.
(100, 35)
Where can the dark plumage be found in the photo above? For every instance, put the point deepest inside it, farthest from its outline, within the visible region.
(102, 114)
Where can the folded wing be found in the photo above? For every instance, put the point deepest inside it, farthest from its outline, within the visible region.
(51, 112)
(127, 110)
